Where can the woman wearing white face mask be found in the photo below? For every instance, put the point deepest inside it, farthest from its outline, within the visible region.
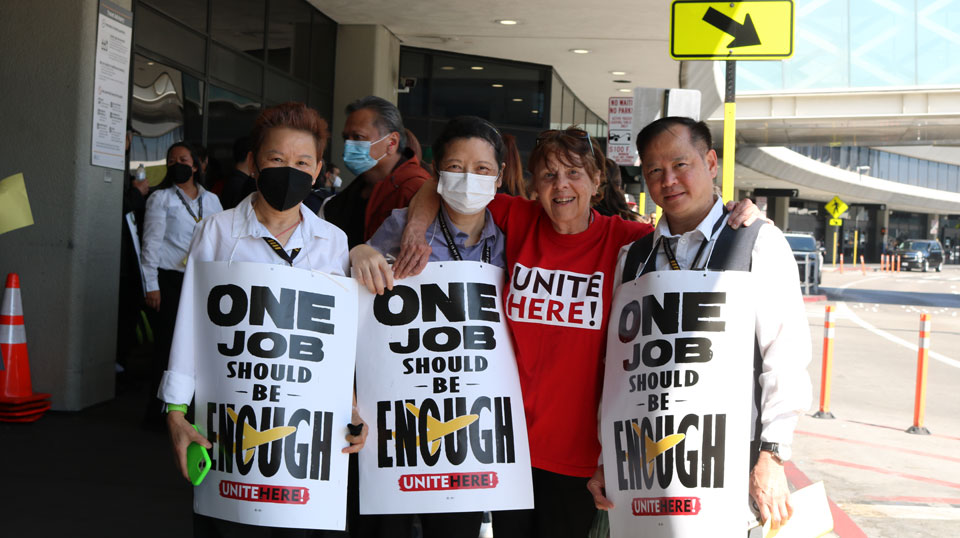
(468, 156)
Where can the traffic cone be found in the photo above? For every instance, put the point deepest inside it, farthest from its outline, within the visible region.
(18, 402)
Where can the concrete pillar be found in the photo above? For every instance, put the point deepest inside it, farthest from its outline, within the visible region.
(879, 220)
(368, 63)
(778, 209)
(69, 259)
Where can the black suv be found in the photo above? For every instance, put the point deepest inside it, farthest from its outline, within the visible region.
(921, 254)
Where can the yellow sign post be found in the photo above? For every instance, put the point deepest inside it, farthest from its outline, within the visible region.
(747, 30)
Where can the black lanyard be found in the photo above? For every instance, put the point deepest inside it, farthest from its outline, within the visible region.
(672, 259)
(280, 252)
(454, 251)
(187, 206)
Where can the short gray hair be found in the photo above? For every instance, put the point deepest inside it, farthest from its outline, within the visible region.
(387, 120)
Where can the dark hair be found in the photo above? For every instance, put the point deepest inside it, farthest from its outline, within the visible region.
(388, 119)
(194, 156)
(241, 147)
(293, 116)
(613, 202)
(467, 127)
(699, 133)
(513, 182)
(564, 145)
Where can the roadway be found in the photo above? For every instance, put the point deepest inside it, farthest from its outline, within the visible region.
(891, 483)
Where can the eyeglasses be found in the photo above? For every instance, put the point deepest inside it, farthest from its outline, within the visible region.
(572, 133)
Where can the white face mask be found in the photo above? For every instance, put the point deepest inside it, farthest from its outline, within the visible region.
(465, 193)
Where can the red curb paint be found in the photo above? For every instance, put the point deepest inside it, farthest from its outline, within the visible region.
(918, 500)
(878, 445)
(843, 526)
(918, 478)
(814, 298)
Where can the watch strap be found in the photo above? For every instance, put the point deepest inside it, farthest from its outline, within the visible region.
(177, 407)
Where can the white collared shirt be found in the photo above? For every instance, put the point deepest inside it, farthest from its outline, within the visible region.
(168, 228)
(237, 235)
(781, 321)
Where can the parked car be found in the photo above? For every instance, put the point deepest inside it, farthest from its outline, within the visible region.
(920, 254)
(804, 248)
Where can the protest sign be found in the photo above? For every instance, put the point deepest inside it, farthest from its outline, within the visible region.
(275, 350)
(437, 382)
(676, 411)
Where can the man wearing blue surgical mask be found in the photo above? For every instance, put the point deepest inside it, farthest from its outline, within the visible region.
(388, 173)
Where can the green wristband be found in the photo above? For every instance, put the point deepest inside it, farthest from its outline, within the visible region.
(177, 407)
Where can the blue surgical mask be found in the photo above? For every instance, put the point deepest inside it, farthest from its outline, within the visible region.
(356, 155)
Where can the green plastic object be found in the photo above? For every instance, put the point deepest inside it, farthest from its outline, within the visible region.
(198, 461)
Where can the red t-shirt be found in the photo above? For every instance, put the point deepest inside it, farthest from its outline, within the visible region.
(559, 292)
(394, 192)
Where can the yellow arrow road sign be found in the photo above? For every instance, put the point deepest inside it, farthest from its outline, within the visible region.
(748, 30)
(836, 222)
(836, 207)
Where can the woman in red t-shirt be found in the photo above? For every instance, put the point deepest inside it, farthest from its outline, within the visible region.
(561, 256)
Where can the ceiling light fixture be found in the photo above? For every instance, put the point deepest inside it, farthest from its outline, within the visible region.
(618, 73)
(447, 68)
(625, 90)
(622, 81)
(507, 22)
(497, 85)
(149, 63)
(535, 111)
(517, 100)
(476, 67)
(580, 51)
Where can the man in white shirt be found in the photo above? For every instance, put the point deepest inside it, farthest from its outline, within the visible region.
(679, 167)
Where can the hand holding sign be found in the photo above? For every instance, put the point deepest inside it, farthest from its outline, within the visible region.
(597, 486)
(768, 487)
(369, 267)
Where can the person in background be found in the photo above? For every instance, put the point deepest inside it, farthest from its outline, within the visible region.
(240, 183)
(469, 157)
(414, 144)
(286, 150)
(388, 173)
(173, 212)
(514, 183)
(614, 202)
(332, 179)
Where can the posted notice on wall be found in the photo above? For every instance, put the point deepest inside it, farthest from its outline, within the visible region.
(621, 147)
(677, 404)
(111, 74)
(437, 382)
(275, 350)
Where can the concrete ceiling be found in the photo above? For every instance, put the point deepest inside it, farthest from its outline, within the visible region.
(629, 36)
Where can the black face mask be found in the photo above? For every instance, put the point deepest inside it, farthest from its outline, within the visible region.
(284, 187)
(179, 172)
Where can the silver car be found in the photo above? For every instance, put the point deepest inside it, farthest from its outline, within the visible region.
(804, 248)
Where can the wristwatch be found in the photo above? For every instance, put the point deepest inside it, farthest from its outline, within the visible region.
(781, 451)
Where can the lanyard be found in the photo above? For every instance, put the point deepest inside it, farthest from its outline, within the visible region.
(187, 206)
(280, 252)
(672, 259)
(454, 251)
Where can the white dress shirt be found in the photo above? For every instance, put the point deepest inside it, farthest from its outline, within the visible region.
(781, 321)
(237, 235)
(168, 228)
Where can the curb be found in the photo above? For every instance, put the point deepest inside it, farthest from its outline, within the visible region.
(843, 526)
(814, 298)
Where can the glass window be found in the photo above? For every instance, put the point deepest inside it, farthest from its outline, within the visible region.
(165, 107)
(231, 116)
(163, 36)
(239, 25)
(323, 46)
(193, 13)
(281, 89)
(288, 37)
(567, 118)
(236, 69)
(556, 102)
(414, 65)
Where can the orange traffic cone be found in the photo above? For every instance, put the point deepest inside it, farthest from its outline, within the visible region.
(18, 402)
